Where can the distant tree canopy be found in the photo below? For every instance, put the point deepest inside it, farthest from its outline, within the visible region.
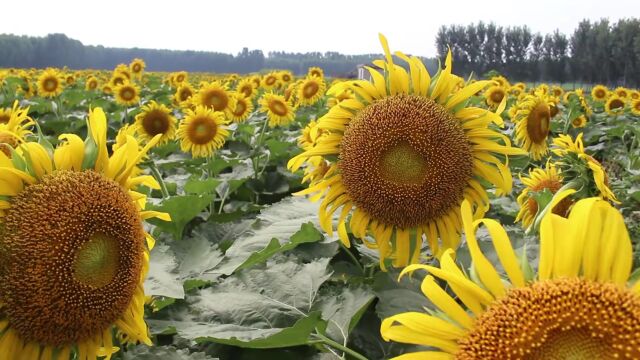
(597, 52)
(57, 50)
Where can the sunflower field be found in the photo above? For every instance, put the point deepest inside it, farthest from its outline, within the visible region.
(407, 215)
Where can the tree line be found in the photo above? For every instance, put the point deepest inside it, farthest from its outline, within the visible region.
(596, 52)
(57, 50)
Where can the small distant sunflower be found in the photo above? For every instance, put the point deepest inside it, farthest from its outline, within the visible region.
(494, 95)
(179, 77)
(581, 169)
(49, 84)
(184, 92)
(246, 87)
(557, 91)
(579, 122)
(311, 90)
(270, 81)
(70, 79)
(315, 71)
(402, 155)
(622, 92)
(599, 93)
(539, 180)
(241, 107)
(502, 81)
(137, 67)
(634, 95)
(542, 89)
(279, 111)
(533, 117)
(581, 303)
(285, 77)
(91, 84)
(107, 89)
(118, 79)
(515, 91)
(127, 94)
(202, 131)
(520, 85)
(615, 105)
(635, 107)
(74, 250)
(214, 96)
(156, 119)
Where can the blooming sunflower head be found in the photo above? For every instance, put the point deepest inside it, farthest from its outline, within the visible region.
(73, 247)
(202, 131)
(91, 83)
(599, 93)
(270, 81)
(540, 183)
(137, 67)
(127, 94)
(501, 81)
(246, 87)
(49, 83)
(156, 119)
(241, 107)
(532, 118)
(615, 105)
(635, 107)
(310, 90)
(183, 94)
(402, 155)
(279, 110)
(579, 122)
(557, 91)
(581, 170)
(494, 95)
(621, 92)
(214, 96)
(315, 71)
(285, 77)
(577, 305)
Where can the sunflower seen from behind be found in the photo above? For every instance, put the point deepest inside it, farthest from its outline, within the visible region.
(403, 154)
(202, 131)
(580, 304)
(533, 118)
(156, 119)
(49, 83)
(73, 247)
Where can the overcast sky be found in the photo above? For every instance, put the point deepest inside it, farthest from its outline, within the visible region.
(346, 26)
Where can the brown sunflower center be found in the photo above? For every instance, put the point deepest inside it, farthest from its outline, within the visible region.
(7, 142)
(497, 96)
(278, 107)
(93, 84)
(155, 122)
(538, 123)
(185, 94)
(71, 255)
(557, 320)
(553, 185)
(270, 80)
(4, 118)
(315, 72)
(405, 160)
(127, 94)
(553, 110)
(118, 81)
(621, 93)
(216, 99)
(600, 93)
(50, 84)
(202, 130)
(286, 78)
(137, 68)
(616, 104)
(247, 90)
(241, 107)
(310, 89)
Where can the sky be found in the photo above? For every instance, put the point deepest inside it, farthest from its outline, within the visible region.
(346, 26)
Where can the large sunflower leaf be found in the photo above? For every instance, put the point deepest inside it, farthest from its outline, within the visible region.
(182, 209)
(342, 308)
(247, 310)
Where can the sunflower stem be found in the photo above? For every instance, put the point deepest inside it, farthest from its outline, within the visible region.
(353, 257)
(338, 346)
(257, 150)
(156, 174)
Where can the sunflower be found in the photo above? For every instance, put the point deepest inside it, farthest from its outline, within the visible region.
(241, 107)
(202, 131)
(615, 105)
(581, 169)
(403, 154)
(178, 78)
(340, 96)
(156, 119)
(579, 122)
(520, 85)
(285, 76)
(538, 181)
(15, 125)
(91, 83)
(127, 94)
(515, 91)
(246, 87)
(270, 81)
(49, 84)
(311, 90)
(577, 306)
(621, 92)
(599, 93)
(494, 95)
(214, 96)
(502, 81)
(70, 79)
(557, 91)
(74, 256)
(532, 125)
(118, 79)
(542, 89)
(279, 111)
(635, 107)
(184, 92)
(137, 67)
(634, 95)
(315, 71)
